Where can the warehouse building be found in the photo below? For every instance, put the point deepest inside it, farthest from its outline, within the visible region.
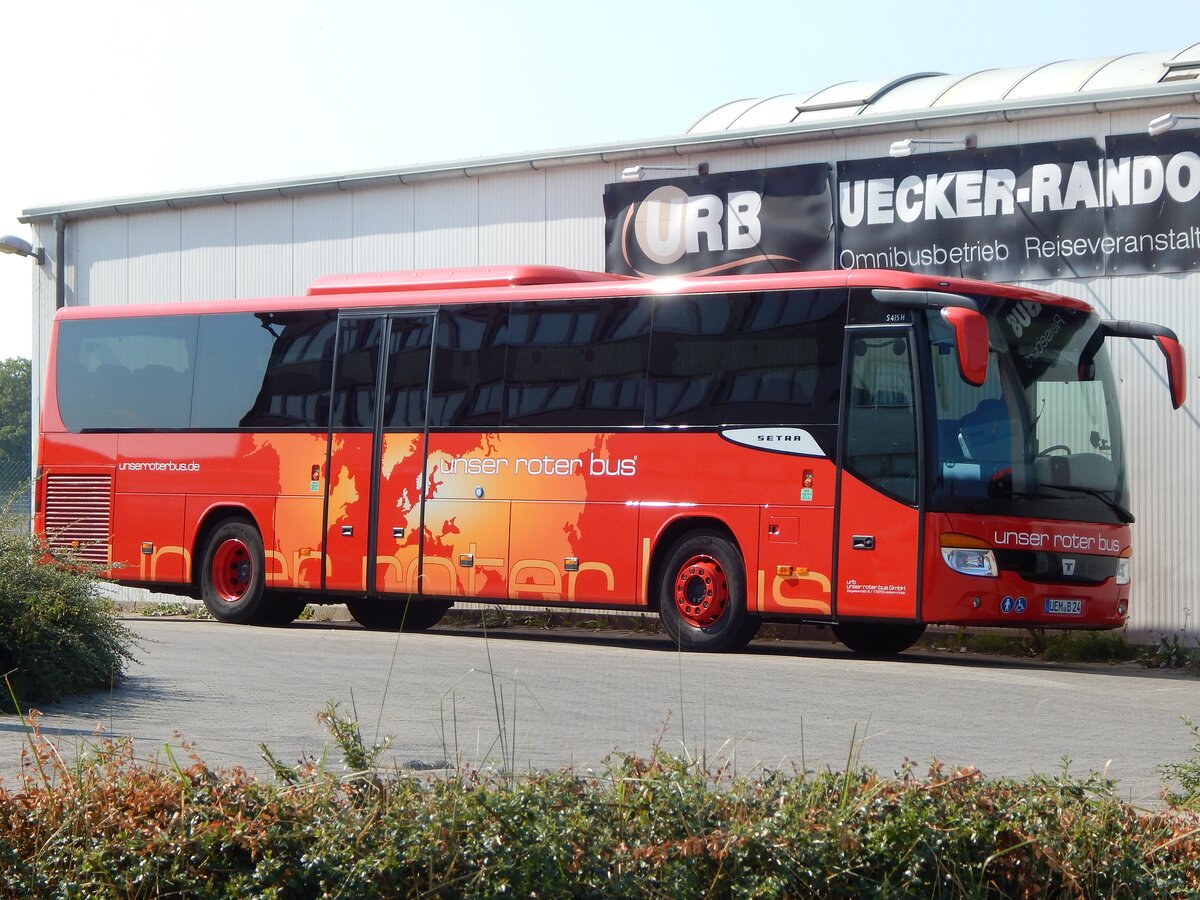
(1079, 177)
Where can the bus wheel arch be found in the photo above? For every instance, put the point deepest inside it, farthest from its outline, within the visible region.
(698, 582)
(208, 522)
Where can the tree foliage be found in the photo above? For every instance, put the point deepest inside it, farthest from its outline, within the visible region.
(15, 401)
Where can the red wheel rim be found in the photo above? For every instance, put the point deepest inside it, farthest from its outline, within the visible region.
(701, 591)
(232, 570)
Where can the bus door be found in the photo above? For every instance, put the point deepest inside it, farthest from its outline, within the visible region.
(878, 517)
(377, 452)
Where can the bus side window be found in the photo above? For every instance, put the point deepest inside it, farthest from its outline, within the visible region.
(468, 366)
(766, 358)
(577, 363)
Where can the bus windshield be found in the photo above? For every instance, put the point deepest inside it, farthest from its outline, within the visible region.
(1041, 437)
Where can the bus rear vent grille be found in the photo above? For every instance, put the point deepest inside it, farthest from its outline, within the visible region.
(79, 515)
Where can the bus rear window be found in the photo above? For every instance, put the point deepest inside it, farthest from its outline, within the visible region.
(126, 373)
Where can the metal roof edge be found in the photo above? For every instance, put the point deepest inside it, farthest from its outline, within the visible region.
(678, 145)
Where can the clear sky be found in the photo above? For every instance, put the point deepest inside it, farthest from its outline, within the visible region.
(126, 97)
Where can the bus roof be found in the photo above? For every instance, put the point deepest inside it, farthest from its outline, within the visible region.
(442, 279)
(482, 284)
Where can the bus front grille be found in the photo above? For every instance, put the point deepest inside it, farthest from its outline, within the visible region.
(79, 515)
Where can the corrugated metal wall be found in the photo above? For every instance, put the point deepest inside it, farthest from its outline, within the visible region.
(276, 246)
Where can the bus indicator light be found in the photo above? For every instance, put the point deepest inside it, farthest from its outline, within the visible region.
(1123, 566)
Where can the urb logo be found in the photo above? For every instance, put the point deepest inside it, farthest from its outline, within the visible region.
(670, 223)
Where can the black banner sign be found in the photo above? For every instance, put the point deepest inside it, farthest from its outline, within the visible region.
(1039, 211)
(771, 220)
(1152, 188)
(1004, 214)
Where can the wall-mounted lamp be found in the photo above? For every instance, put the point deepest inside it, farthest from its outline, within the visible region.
(10, 243)
(1165, 123)
(637, 173)
(908, 146)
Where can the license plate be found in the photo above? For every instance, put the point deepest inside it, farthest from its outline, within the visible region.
(1064, 607)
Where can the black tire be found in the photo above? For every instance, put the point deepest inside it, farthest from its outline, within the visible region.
(391, 614)
(878, 639)
(702, 594)
(232, 573)
(282, 608)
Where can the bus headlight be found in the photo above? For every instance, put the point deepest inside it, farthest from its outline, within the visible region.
(971, 561)
(1124, 564)
(969, 555)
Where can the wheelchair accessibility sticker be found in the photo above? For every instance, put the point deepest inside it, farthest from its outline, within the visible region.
(1016, 605)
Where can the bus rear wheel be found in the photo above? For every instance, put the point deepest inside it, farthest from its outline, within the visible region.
(282, 608)
(231, 573)
(877, 639)
(702, 594)
(381, 614)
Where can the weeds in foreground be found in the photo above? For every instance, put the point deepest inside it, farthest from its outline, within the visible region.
(1173, 652)
(1186, 774)
(109, 825)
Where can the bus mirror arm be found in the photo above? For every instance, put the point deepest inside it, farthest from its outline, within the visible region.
(961, 314)
(1167, 342)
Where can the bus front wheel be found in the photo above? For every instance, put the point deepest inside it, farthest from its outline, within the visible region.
(702, 594)
(875, 639)
(231, 573)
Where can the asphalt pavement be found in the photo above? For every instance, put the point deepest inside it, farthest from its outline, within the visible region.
(529, 699)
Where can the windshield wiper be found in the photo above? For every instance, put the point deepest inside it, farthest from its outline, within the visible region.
(1122, 513)
(1125, 515)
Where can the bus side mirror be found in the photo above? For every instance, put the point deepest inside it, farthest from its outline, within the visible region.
(971, 342)
(1176, 368)
(1167, 342)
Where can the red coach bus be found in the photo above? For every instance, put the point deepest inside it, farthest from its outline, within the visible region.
(870, 450)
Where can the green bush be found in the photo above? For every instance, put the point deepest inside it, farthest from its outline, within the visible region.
(1186, 774)
(658, 827)
(58, 635)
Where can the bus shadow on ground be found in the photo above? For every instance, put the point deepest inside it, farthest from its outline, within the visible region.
(656, 642)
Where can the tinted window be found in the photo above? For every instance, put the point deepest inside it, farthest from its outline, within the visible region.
(356, 372)
(468, 377)
(577, 363)
(269, 370)
(747, 359)
(126, 373)
(407, 372)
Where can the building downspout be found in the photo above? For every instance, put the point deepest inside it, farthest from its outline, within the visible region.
(60, 262)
